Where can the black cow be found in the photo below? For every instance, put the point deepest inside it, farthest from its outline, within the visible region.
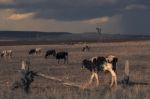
(32, 51)
(62, 55)
(49, 53)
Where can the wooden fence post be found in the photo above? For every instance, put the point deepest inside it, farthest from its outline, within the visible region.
(126, 73)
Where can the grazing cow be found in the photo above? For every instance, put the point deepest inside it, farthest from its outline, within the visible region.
(113, 60)
(32, 51)
(86, 48)
(49, 53)
(38, 50)
(5, 53)
(62, 55)
(35, 51)
(94, 65)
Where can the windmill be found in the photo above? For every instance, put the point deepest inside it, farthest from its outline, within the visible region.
(99, 30)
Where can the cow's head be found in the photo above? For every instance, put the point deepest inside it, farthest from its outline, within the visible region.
(107, 66)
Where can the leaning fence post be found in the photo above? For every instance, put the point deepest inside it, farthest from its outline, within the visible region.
(126, 73)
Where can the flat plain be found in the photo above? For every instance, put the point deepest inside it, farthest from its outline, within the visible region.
(136, 52)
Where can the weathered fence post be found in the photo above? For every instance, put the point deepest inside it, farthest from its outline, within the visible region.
(27, 77)
(126, 73)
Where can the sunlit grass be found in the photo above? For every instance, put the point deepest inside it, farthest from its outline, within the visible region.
(138, 54)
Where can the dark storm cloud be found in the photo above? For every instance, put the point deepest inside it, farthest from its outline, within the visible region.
(136, 18)
(136, 22)
(135, 13)
(70, 9)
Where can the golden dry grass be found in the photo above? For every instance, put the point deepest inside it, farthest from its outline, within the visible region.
(137, 52)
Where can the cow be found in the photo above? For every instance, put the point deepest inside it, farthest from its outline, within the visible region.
(38, 50)
(35, 51)
(97, 64)
(5, 53)
(62, 55)
(86, 48)
(50, 52)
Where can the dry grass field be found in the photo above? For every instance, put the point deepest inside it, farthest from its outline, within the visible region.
(137, 52)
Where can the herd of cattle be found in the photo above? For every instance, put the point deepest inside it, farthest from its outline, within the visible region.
(58, 55)
(94, 64)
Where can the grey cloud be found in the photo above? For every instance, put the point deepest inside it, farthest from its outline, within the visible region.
(134, 21)
(69, 9)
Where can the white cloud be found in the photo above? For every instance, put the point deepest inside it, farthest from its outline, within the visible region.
(20, 16)
(101, 20)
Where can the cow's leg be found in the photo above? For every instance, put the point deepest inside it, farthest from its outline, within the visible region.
(9, 57)
(114, 81)
(67, 59)
(64, 60)
(83, 49)
(97, 79)
(40, 52)
(91, 79)
(59, 60)
(5, 57)
(114, 78)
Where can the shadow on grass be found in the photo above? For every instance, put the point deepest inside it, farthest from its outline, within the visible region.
(132, 83)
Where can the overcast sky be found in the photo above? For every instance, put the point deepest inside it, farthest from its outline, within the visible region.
(76, 16)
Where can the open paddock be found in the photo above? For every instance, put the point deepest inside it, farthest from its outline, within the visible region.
(137, 52)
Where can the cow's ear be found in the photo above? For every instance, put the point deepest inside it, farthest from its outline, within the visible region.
(115, 59)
